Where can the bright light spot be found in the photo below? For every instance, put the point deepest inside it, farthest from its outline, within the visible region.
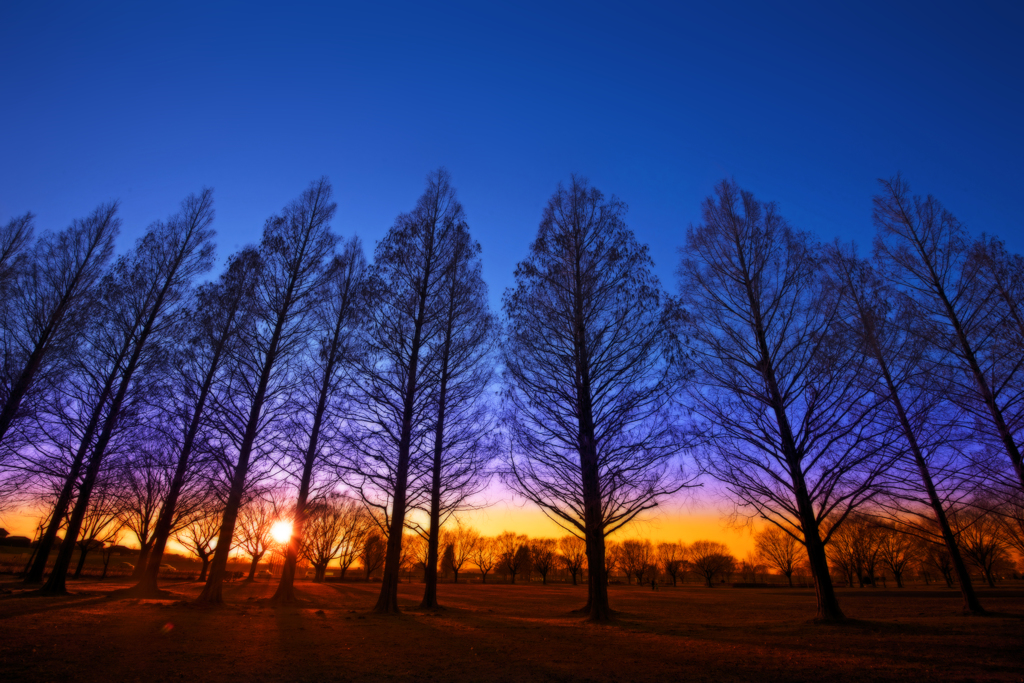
(281, 532)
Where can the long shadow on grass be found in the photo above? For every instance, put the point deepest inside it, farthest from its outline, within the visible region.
(35, 602)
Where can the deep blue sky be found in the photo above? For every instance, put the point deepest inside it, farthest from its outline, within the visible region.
(803, 104)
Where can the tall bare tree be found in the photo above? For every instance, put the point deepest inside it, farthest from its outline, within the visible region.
(251, 405)
(778, 392)
(323, 370)
(462, 422)
(141, 300)
(928, 477)
(589, 375)
(395, 408)
(959, 299)
(208, 335)
(46, 299)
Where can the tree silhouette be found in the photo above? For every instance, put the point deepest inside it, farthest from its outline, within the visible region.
(142, 297)
(293, 255)
(779, 391)
(588, 379)
(710, 560)
(463, 423)
(926, 252)
(397, 379)
(913, 391)
(46, 298)
(327, 360)
(209, 333)
(778, 550)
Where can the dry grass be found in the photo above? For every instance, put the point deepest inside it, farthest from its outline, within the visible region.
(512, 633)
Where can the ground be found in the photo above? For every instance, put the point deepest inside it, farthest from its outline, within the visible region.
(508, 633)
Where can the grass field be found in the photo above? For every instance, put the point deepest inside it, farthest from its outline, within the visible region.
(508, 633)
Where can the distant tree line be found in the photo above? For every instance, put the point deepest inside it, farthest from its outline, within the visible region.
(868, 411)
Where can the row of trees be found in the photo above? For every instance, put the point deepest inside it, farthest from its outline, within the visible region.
(810, 382)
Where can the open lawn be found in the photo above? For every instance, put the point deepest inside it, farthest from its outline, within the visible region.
(508, 633)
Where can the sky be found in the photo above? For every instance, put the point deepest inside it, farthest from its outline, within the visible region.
(803, 103)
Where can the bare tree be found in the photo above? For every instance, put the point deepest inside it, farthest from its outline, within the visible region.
(463, 542)
(855, 547)
(612, 558)
(208, 334)
(142, 297)
(373, 553)
(252, 403)
(485, 556)
(936, 556)
(256, 517)
(102, 522)
(396, 408)
(513, 551)
(331, 523)
(46, 298)
(463, 426)
(928, 478)
(357, 525)
(590, 364)
(927, 253)
(779, 393)
(15, 238)
(750, 567)
(573, 554)
(981, 537)
(710, 560)
(323, 372)
(638, 558)
(543, 555)
(143, 485)
(1011, 514)
(898, 551)
(672, 558)
(199, 535)
(778, 550)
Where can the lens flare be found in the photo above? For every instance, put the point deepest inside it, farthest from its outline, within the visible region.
(281, 532)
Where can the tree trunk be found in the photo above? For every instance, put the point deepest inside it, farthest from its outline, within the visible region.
(252, 567)
(387, 601)
(205, 559)
(286, 588)
(46, 541)
(971, 604)
(81, 562)
(140, 566)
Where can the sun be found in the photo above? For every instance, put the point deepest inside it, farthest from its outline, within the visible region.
(281, 532)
